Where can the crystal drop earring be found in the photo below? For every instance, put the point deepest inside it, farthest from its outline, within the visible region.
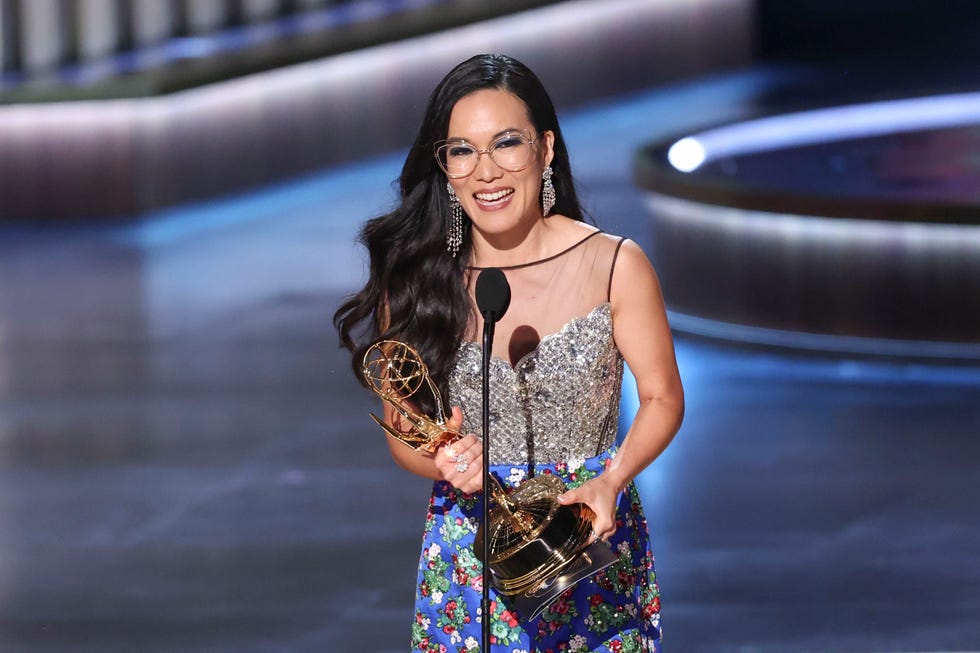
(547, 191)
(454, 234)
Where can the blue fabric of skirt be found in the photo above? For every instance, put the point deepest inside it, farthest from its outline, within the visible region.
(615, 611)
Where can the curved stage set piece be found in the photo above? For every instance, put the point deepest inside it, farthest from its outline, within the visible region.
(854, 228)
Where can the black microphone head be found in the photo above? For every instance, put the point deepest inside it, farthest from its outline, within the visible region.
(492, 294)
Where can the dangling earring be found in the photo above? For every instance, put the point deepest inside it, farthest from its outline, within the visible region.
(547, 192)
(454, 234)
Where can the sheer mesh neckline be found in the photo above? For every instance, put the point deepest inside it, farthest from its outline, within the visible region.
(541, 260)
(547, 294)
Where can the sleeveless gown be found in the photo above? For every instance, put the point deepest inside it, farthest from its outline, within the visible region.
(555, 411)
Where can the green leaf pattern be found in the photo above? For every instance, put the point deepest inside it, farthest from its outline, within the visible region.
(618, 611)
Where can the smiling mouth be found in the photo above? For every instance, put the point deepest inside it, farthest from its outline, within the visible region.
(495, 196)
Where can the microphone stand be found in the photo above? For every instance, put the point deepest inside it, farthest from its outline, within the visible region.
(492, 299)
(488, 324)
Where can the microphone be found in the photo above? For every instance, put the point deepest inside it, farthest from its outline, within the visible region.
(492, 294)
(492, 300)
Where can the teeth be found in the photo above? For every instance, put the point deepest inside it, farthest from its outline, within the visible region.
(492, 197)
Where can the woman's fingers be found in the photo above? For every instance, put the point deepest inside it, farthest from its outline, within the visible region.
(603, 528)
(461, 463)
(603, 507)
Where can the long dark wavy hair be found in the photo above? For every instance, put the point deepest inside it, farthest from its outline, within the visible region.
(416, 291)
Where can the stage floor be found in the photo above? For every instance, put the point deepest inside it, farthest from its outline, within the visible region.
(186, 462)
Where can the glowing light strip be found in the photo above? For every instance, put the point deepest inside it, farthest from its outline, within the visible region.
(916, 237)
(822, 342)
(822, 125)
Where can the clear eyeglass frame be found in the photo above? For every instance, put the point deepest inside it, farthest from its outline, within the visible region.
(441, 146)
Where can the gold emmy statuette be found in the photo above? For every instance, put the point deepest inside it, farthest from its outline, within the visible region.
(538, 547)
(396, 372)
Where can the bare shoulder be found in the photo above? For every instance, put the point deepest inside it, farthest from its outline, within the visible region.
(631, 259)
(633, 275)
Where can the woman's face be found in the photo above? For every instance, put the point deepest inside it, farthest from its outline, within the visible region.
(499, 202)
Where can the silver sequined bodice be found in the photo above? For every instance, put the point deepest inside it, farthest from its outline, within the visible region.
(558, 403)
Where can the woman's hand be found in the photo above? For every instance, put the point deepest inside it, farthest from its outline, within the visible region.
(461, 463)
(600, 495)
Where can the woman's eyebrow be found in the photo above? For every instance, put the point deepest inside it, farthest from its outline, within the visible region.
(503, 132)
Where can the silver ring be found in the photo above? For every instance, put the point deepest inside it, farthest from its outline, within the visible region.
(462, 463)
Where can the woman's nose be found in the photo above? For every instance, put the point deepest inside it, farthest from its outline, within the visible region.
(486, 169)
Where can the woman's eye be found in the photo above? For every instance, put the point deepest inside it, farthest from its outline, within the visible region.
(509, 142)
(460, 151)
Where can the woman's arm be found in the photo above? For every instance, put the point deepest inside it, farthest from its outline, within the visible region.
(443, 464)
(643, 337)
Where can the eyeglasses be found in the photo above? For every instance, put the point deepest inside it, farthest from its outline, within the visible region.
(457, 158)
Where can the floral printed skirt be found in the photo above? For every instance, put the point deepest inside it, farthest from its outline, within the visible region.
(615, 611)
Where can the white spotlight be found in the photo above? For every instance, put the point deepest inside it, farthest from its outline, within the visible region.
(686, 155)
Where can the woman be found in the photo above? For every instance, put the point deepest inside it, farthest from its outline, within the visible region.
(487, 183)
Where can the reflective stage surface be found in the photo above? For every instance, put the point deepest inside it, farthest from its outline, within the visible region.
(186, 462)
